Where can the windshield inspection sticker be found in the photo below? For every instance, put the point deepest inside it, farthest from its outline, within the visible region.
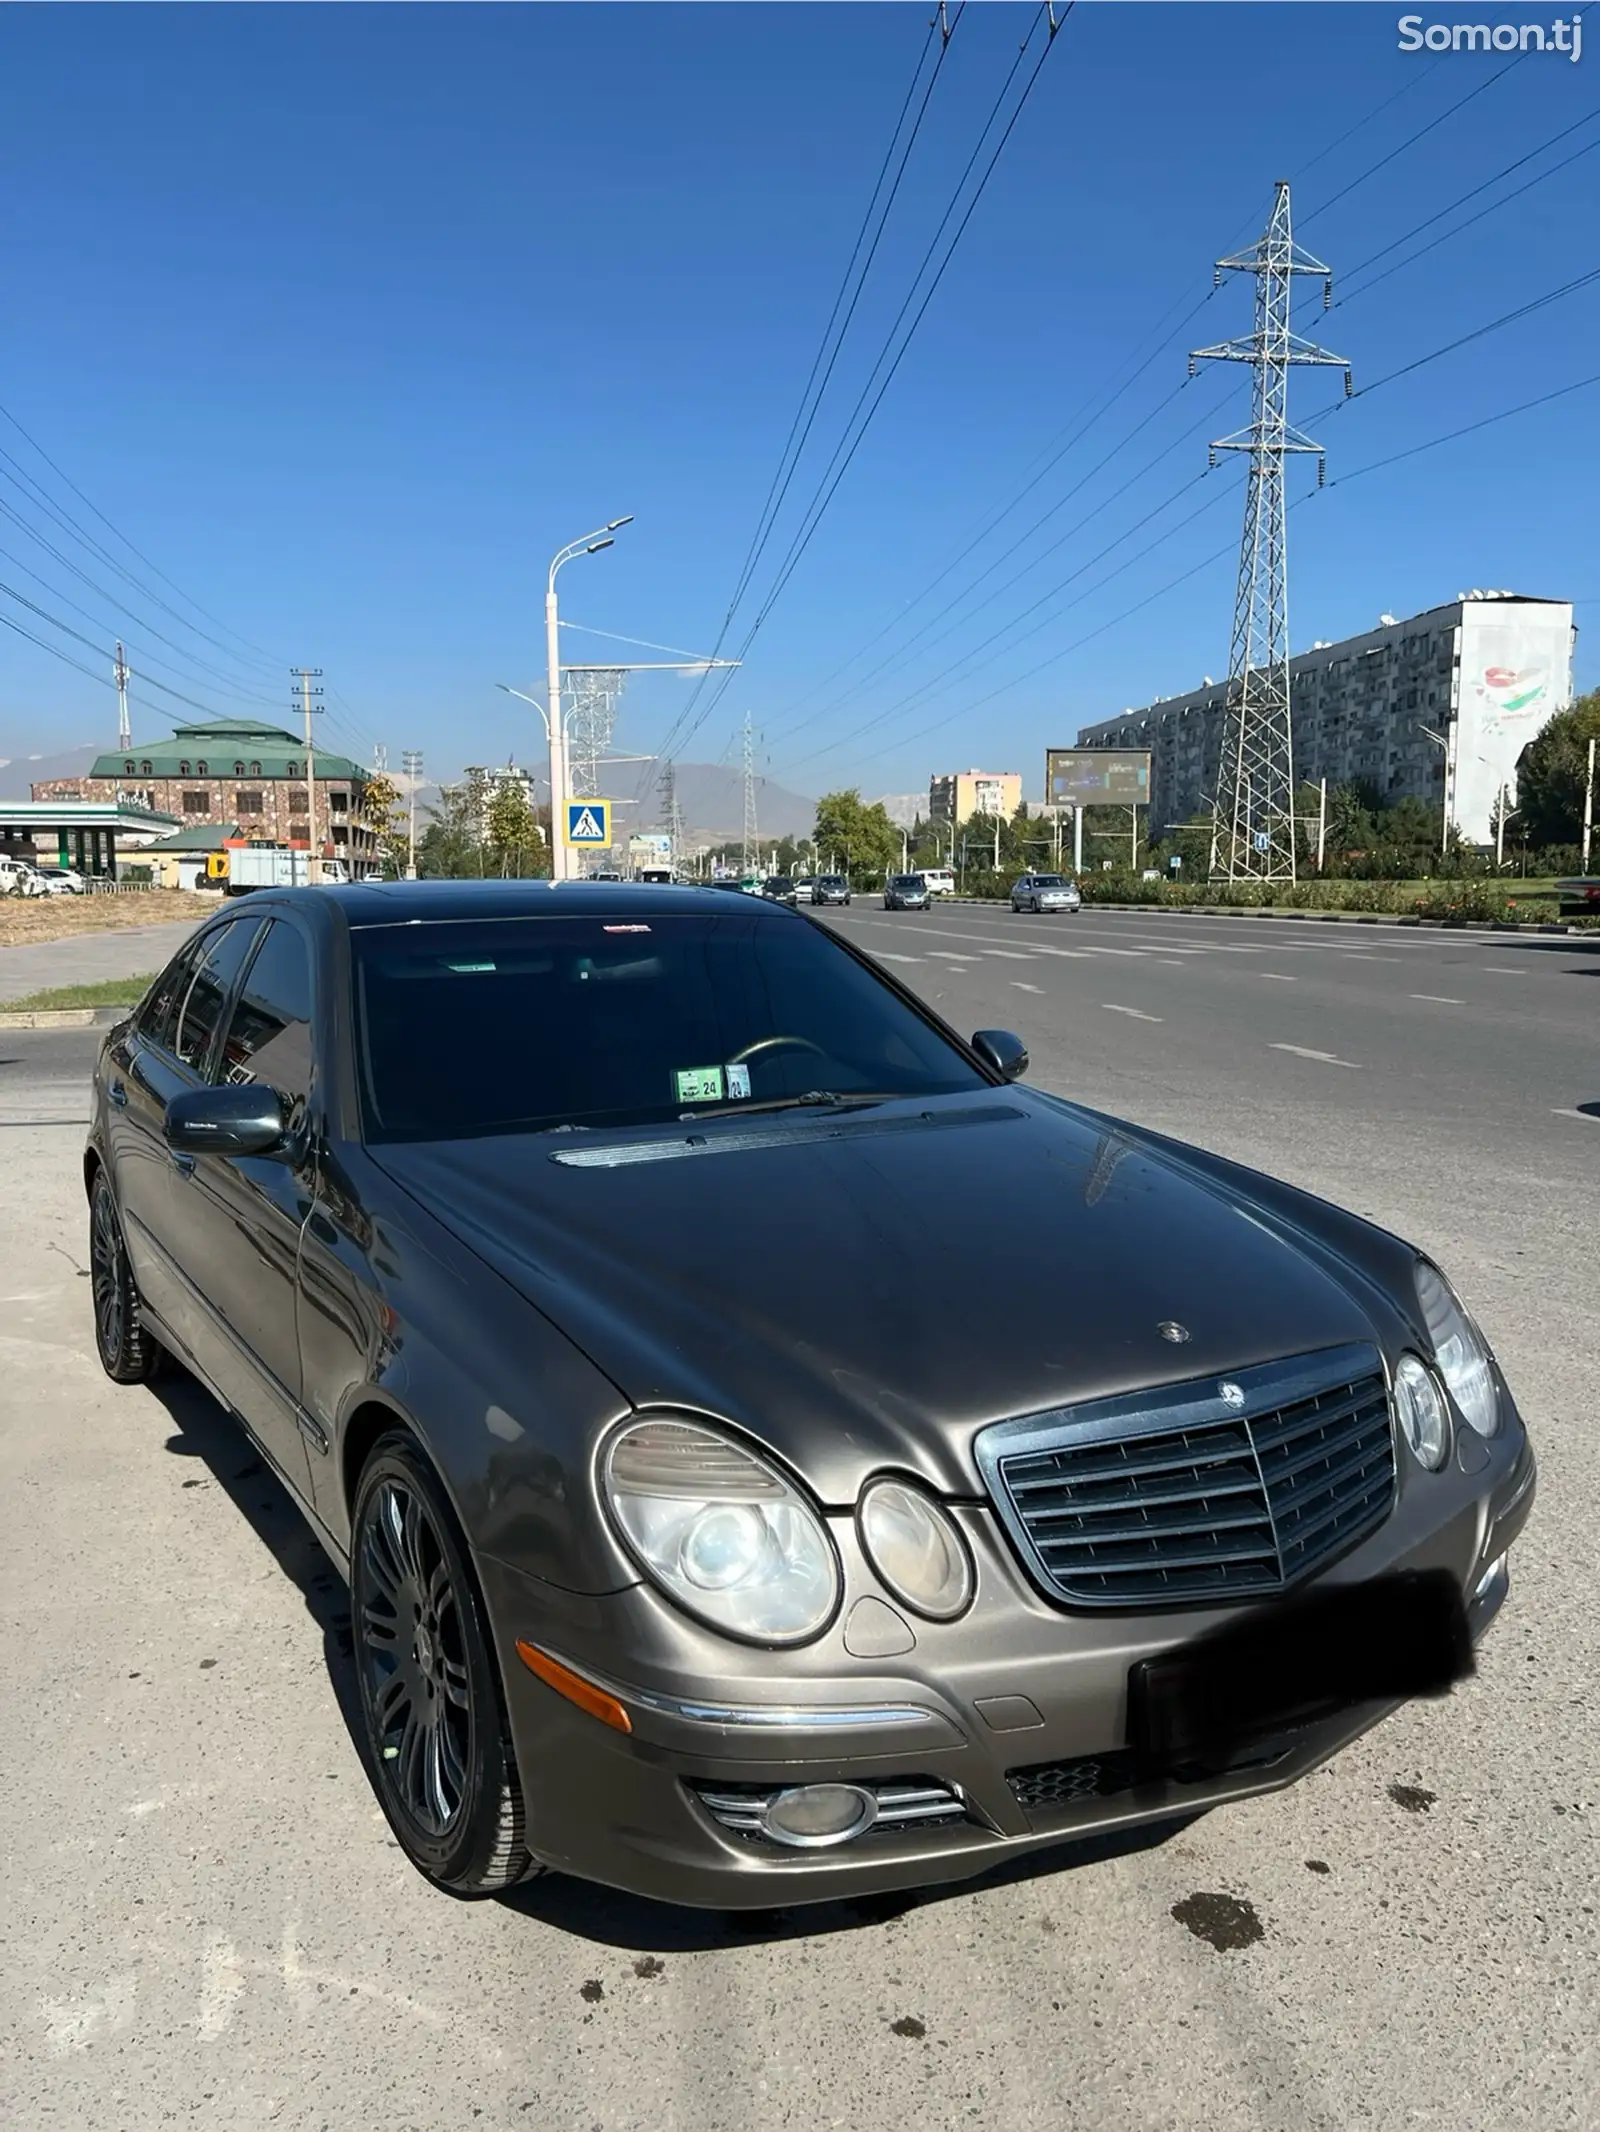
(738, 1082)
(699, 1084)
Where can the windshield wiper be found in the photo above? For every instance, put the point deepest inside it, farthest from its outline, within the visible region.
(813, 1099)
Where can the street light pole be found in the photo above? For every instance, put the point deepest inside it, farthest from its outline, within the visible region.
(1588, 806)
(590, 544)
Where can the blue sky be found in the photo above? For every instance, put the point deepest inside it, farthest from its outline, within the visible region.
(348, 317)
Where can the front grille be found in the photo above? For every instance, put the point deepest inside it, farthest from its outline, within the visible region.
(1046, 1787)
(903, 1803)
(1178, 1496)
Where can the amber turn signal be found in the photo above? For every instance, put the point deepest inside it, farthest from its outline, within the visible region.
(574, 1687)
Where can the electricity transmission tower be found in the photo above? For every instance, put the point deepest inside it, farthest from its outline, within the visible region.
(1252, 837)
(750, 832)
(593, 692)
(671, 809)
(124, 726)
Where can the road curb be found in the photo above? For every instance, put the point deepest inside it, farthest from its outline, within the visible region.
(1243, 910)
(62, 1017)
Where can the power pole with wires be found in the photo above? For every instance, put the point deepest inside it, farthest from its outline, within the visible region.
(749, 792)
(412, 759)
(124, 728)
(310, 709)
(672, 811)
(1253, 838)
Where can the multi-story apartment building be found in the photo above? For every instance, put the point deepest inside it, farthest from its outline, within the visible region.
(236, 773)
(1485, 674)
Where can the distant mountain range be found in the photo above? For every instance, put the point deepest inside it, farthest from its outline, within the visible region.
(19, 772)
(710, 795)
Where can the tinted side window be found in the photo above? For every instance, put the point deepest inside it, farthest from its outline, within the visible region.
(160, 1016)
(269, 1037)
(207, 995)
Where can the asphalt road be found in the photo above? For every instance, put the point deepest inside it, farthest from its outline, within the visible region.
(207, 1921)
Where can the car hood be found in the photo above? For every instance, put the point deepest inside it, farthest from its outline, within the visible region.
(870, 1289)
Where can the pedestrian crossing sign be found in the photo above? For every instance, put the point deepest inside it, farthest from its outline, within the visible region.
(589, 824)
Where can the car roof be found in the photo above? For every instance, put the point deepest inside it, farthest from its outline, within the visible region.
(368, 903)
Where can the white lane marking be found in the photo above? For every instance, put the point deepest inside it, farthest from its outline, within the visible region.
(1327, 1057)
(1021, 987)
(1279, 977)
(1010, 954)
(885, 956)
(1498, 969)
(1438, 999)
(1068, 954)
(73, 2024)
(221, 1987)
(1133, 1011)
(1589, 1117)
(950, 955)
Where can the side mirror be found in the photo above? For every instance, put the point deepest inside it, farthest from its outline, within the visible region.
(1007, 1054)
(236, 1120)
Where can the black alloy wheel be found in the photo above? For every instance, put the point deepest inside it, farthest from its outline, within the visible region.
(128, 1354)
(436, 1727)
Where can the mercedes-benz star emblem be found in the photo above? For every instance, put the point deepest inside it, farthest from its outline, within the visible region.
(1170, 1329)
(1231, 1395)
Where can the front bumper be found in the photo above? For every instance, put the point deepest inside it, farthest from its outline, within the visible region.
(1018, 1713)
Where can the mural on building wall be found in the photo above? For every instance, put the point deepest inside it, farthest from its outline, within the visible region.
(1516, 673)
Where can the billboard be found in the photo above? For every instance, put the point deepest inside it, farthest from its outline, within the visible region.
(650, 850)
(1097, 777)
(1516, 673)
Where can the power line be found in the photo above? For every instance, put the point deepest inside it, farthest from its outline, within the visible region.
(89, 504)
(1450, 435)
(832, 478)
(1347, 295)
(778, 487)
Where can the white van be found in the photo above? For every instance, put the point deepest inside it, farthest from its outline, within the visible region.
(941, 881)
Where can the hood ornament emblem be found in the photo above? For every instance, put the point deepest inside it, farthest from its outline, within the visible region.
(1170, 1329)
(1231, 1395)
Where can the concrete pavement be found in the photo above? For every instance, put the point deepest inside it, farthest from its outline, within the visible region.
(208, 1921)
(88, 958)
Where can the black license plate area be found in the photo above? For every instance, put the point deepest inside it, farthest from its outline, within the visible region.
(1296, 1662)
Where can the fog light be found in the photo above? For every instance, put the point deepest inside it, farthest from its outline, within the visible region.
(814, 1815)
(1496, 1573)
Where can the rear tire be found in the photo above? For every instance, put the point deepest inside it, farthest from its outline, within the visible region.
(128, 1353)
(437, 1734)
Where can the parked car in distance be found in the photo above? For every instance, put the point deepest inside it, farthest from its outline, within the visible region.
(941, 881)
(62, 880)
(779, 888)
(751, 1592)
(20, 877)
(1045, 892)
(905, 892)
(831, 888)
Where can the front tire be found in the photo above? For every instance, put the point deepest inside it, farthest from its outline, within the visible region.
(436, 1728)
(128, 1353)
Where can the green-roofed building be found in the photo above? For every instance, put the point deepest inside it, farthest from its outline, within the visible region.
(224, 771)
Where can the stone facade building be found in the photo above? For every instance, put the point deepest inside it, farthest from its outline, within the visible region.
(236, 773)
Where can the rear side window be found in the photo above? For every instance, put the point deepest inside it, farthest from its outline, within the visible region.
(269, 1034)
(159, 1018)
(208, 993)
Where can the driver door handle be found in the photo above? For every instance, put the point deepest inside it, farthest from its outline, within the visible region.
(118, 1094)
(183, 1164)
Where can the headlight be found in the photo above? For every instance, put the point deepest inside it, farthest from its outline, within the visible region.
(1459, 1351)
(1420, 1405)
(916, 1550)
(721, 1532)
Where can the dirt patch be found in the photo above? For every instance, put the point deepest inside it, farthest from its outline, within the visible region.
(26, 919)
(1413, 1798)
(1222, 1921)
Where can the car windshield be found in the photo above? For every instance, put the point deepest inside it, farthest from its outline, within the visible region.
(780, 884)
(830, 881)
(499, 1025)
(1048, 881)
(908, 881)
